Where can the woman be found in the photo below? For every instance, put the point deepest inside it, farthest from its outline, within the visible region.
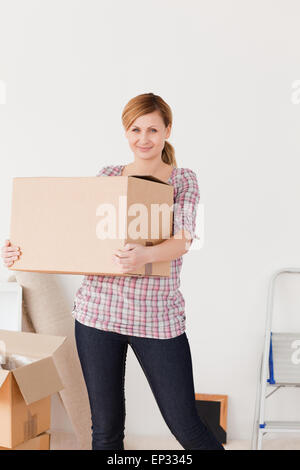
(111, 312)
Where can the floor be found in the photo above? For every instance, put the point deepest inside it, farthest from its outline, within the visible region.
(67, 441)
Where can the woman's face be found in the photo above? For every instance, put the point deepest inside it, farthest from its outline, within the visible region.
(146, 136)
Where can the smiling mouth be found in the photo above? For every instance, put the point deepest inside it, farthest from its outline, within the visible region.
(145, 148)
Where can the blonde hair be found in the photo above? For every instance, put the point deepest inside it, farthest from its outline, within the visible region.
(144, 104)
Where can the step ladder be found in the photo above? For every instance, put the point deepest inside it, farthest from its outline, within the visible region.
(279, 368)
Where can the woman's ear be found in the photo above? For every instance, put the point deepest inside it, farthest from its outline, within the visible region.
(168, 131)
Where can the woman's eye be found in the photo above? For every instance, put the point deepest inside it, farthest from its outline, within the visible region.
(137, 130)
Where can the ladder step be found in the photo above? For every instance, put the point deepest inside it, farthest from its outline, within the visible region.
(281, 426)
(284, 358)
(284, 384)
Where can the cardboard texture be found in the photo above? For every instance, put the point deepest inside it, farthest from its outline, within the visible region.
(28, 378)
(58, 222)
(41, 442)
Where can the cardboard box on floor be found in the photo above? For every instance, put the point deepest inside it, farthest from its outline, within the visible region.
(41, 442)
(72, 224)
(28, 378)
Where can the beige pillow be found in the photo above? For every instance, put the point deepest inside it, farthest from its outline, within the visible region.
(47, 312)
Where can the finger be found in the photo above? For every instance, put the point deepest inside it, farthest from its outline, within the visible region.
(123, 269)
(129, 246)
(10, 255)
(120, 260)
(123, 250)
(121, 264)
(122, 255)
(10, 249)
(8, 259)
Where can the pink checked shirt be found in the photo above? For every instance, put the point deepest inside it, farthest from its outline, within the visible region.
(150, 307)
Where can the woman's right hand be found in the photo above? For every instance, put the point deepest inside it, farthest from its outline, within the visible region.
(9, 253)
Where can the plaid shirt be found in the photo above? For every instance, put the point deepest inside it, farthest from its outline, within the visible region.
(150, 307)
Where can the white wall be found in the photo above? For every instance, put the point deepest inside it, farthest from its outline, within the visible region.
(227, 69)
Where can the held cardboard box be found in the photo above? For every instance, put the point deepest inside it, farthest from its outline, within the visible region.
(28, 378)
(41, 442)
(72, 224)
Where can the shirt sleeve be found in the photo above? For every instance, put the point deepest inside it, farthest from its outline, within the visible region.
(102, 171)
(186, 203)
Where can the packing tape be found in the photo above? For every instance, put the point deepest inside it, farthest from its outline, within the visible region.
(148, 266)
(30, 426)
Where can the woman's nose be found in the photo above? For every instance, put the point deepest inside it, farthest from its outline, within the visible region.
(143, 140)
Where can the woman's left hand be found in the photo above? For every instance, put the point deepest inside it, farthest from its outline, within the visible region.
(130, 258)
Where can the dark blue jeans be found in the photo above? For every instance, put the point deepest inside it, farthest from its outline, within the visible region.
(167, 365)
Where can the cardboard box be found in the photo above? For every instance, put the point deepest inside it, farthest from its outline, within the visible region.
(72, 224)
(41, 442)
(28, 378)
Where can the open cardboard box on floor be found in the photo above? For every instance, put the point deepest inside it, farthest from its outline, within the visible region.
(40, 442)
(73, 224)
(28, 378)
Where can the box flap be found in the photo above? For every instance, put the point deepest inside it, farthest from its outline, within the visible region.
(32, 344)
(3, 374)
(38, 380)
(149, 177)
